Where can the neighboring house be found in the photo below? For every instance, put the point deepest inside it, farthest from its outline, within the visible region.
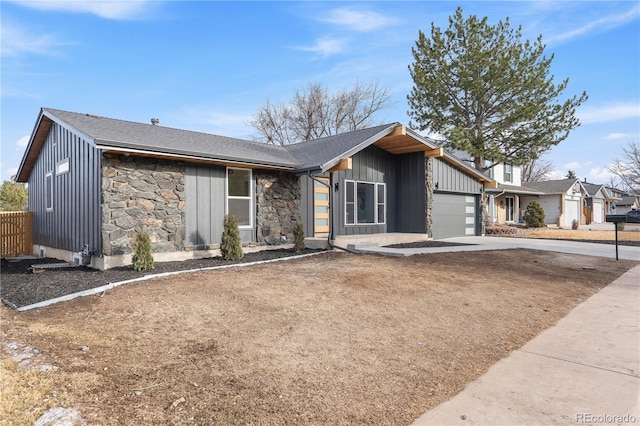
(626, 204)
(505, 200)
(597, 201)
(562, 200)
(95, 182)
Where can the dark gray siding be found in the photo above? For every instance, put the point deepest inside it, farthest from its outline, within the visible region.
(205, 204)
(306, 205)
(205, 188)
(449, 179)
(75, 219)
(410, 194)
(369, 165)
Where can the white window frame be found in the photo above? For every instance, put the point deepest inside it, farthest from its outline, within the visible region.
(62, 167)
(507, 175)
(376, 204)
(48, 195)
(237, 197)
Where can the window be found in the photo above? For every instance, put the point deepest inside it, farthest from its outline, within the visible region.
(239, 195)
(364, 203)
(62, 166)
(48, 188)
(508, 172)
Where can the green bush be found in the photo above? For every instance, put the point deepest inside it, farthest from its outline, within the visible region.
(142, 258)
(298, 237)
(231, 245)
(534, 215)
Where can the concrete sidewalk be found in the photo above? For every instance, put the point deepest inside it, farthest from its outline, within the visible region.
(584, 370)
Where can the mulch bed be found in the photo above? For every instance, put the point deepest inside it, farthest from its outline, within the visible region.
(19, 286)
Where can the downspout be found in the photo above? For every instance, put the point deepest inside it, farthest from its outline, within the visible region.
(331, 245)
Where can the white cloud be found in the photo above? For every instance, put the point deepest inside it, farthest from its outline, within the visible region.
(557, 174)
(357, 20)
(573, 165)
(105, 9)
(600, 175)
(23, 141)
(606, 113)
(602, 24)
(613, 136)
(324, 47)
(16, 41)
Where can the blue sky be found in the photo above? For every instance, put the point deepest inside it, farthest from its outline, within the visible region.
(209, 66)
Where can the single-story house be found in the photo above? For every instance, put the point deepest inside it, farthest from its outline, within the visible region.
(562, 200)
(95, 182)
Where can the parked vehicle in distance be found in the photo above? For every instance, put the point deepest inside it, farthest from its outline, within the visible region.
(633, 216)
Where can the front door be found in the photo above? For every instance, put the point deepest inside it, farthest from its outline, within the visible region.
(321, 206)
(509, 215)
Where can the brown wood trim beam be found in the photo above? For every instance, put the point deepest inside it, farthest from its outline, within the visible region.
(343, 164)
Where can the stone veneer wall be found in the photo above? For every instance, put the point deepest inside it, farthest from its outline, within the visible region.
(278, 196)
(141, 193)
(428, 177)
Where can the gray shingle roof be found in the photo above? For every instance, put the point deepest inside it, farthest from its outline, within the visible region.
(113, 133)
(552, 186)
(628, 200)
(316, 153)
(592, 189)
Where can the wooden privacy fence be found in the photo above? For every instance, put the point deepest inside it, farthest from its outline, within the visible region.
(16, 233)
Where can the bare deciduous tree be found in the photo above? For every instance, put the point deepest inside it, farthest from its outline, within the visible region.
(536, 170)
(315, 113)
(627, 169)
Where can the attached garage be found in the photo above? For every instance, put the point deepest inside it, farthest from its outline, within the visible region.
(455, 210)
(598, 212)
(572, 211)
(454, 215)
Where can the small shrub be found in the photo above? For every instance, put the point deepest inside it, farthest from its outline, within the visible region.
(298, 237)
(231, 245)
(534, 215)
(142, 258)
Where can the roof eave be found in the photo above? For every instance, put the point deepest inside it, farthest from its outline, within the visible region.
(354, 150)
(184, 155)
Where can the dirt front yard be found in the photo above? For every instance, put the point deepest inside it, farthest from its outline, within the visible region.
(334, 338)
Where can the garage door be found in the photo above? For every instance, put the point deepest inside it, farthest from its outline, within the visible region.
(571, 211)
(453, 215)
(598, 210)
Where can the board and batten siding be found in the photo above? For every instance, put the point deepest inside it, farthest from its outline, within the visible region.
(373, 165)
(205, 205)
(306, 204)
(75, 219)
(447, 178)
(410, 191)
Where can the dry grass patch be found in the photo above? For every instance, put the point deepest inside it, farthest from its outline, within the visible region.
(580, 234)
(331, 339)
